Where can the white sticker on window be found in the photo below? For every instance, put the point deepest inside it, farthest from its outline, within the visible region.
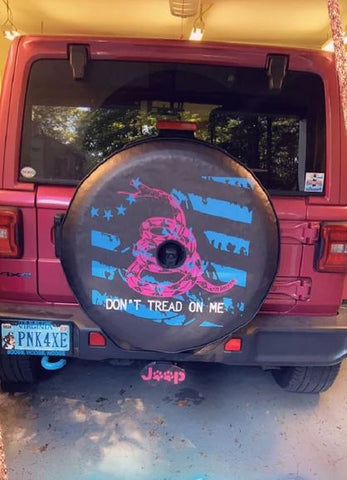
(28, 172)
(314, 182)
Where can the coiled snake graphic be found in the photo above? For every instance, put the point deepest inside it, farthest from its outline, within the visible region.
(153, 232)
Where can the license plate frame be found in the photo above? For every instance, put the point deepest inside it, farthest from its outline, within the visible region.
(36, 337)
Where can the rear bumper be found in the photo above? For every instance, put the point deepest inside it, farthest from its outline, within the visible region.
(266, 341)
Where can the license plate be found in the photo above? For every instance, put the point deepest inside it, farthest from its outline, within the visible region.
(25, 337)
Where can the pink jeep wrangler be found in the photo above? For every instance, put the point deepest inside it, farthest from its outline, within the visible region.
(169, 201)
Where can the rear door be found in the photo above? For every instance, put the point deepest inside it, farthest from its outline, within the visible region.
(70, 126)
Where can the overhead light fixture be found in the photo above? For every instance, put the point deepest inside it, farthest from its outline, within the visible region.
(328, 46)
(196, 34)
(184, 8)
(10, 34)
(198, 26)
(8, 28)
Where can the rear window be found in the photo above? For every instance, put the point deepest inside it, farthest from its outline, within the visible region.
(70, 126)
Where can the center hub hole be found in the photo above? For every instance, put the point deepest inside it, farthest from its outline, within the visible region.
(171, 254)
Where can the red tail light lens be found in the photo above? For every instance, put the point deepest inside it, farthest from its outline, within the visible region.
(176, 125)
(334, 252)
(233, 345)
(96, 339)
(10, 232)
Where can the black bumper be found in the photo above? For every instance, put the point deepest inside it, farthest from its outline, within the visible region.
(269, 340)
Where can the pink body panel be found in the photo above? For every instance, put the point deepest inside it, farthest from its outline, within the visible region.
(52, 284)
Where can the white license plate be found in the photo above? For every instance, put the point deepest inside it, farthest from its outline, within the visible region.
(35, 337)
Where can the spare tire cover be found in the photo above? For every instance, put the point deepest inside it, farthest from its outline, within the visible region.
(170, 245)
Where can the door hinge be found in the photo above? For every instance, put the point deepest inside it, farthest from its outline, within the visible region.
(276, 67)
(311, 233)
(295, 288)
(305, 233)
(303, 291)
(78, 58)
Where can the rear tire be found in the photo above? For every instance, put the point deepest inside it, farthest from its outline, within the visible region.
(19, 370)
(306, 379)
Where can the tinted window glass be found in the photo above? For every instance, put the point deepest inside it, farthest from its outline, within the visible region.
(70, 126)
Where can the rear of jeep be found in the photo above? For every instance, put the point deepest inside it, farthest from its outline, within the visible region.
(172, 202)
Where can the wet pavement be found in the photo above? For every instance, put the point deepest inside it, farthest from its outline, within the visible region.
(97, 421)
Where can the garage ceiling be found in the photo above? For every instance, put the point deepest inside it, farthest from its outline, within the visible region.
(293, 22)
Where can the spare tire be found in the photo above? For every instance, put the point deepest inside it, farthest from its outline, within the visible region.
(170, 244)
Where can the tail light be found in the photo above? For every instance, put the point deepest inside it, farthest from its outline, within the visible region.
(333, 256)
(96, 339)
(233, 345)
(176, 125)
(10, 232)
(167, 129)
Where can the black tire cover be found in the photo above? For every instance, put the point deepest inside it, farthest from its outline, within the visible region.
(170, 245)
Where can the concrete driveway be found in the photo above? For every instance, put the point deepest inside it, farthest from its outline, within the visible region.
(96, 421)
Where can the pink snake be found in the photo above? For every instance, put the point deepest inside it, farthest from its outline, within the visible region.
(150, 238)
